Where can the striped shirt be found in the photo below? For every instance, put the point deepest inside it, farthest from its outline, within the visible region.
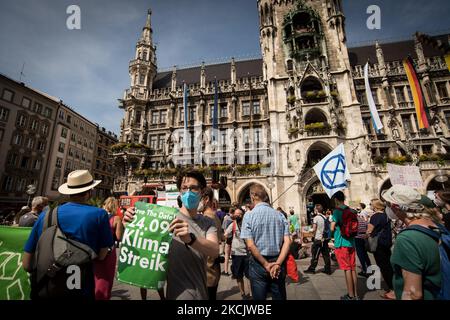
(266, 227)
(362, 227)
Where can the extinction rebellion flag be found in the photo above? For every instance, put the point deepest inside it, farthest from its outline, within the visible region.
(145, 246)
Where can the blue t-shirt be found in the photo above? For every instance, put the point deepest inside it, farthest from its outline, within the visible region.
(83, 223)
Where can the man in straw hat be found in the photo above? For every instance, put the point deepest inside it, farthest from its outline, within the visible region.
(78, 221)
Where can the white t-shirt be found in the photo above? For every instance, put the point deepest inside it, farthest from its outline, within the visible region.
(319, 221)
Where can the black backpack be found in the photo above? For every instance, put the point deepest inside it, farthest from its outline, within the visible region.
(326, 235)
(57, 260)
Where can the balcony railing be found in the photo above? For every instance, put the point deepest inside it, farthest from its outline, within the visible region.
(319, 132)
(395, 68)
(436, 63)
(130, 148)
(245, 170)
(317, 129)
(225, 87)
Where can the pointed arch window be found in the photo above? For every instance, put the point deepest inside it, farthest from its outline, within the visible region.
(312, 90)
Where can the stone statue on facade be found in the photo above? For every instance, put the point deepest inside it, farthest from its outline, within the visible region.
(289, 164)
(394, 124)
(334, 117)
(356, 159)
(288, 119)
(436, 122)
(335, 114)
(299, 111)
(437, 126)
(411, 149)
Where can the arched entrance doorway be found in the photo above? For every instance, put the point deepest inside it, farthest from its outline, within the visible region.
(311, 188)
(244, 194)
(316, 195)
(224, 200)
(434, 185)
(317, 152)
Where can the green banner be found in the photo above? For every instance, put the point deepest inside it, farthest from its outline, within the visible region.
(14, 281)
(145, 245)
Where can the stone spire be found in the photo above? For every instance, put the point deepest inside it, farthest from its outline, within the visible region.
(380, 58)
(143, 68)
(203, 76)
(174, 79)
(147, 30)
(419, 51)
(233, 71)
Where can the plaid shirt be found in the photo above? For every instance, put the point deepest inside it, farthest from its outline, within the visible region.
(266, 227)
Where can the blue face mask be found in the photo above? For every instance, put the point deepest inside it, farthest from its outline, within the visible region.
(191, 199)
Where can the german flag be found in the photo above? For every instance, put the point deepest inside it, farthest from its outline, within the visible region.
(417, 94)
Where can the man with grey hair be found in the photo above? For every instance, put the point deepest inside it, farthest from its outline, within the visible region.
(266, 233)
(37, 206)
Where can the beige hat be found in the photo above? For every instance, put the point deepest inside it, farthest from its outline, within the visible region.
(78, 181)
(403, 196)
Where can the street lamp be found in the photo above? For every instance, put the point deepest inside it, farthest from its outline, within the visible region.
(441, 177)
(31, 189)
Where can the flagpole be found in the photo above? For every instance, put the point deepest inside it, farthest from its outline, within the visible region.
(283, 192)
(185, 131)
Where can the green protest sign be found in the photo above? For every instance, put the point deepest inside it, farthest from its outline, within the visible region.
(145, 245)
(14, 281)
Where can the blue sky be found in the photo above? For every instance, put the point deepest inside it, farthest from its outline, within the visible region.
(88, 68)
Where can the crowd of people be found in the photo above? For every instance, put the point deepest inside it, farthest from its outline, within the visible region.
(404, 231)
(253, 243)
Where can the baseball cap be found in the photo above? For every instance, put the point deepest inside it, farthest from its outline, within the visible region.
(404, 196)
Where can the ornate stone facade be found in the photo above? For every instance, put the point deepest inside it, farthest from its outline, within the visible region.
(284, 112)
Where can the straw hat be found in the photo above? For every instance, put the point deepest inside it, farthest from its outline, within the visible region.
(78, 181)
(404, 196)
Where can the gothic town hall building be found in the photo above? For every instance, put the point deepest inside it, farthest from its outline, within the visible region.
(279, 115)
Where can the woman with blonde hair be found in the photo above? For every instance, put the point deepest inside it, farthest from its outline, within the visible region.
(104, 271)
(379, 229)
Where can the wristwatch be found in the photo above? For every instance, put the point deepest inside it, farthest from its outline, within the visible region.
(193, 239)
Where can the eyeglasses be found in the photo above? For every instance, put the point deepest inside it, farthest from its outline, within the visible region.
(193, 188)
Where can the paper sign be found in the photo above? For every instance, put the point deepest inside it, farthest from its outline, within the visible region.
(405, 175)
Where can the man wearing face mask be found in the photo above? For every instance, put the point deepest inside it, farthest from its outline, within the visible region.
(194, 239)
(415, 259)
